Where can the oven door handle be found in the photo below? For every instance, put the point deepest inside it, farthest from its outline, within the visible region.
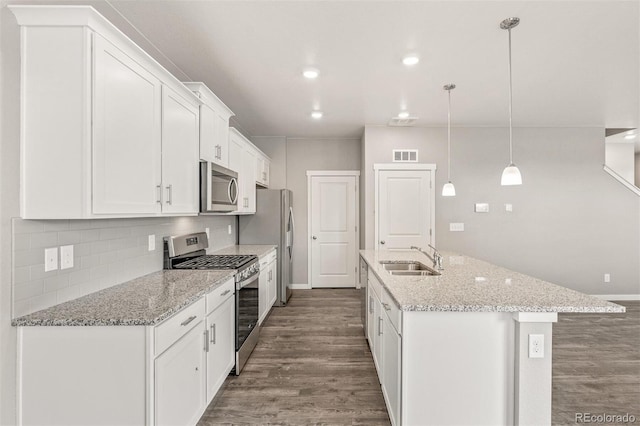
(246, 282)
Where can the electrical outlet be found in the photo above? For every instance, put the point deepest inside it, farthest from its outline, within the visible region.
(66, 257)
(230, 229)
(51, 259)
(206, 231)
(536, 346)
(152, 242)
(508, 208)
(607, 278)
(456, 227)
(482, 208)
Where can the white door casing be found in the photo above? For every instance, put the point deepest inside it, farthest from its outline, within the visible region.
(333, 228)
(405, 205)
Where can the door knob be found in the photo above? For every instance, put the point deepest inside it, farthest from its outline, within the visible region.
(314, 237)
(382, 242)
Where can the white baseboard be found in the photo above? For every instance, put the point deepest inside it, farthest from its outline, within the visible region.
(300, 287)
(617, 296)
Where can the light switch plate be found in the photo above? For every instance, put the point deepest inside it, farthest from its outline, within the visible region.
(607, 278)
(230, 229)
(51, 259)
(456, 227)
(508, 207)
(152, 242)
(207, 231)
(482, 208)
(66, 257)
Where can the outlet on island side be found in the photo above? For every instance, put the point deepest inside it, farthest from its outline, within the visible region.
(607, 278)
(536, 346)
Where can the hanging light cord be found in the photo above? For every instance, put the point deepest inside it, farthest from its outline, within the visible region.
(449, 138)
(510, 106)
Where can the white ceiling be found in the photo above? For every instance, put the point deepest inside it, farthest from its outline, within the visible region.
(575, 63)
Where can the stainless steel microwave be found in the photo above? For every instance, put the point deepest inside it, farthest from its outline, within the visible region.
(218, 188)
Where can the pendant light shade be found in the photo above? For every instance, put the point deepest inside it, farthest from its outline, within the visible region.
(511, 174)
(448, 190)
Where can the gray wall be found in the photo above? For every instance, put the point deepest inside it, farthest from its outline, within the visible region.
(313, 154)
(571, 221)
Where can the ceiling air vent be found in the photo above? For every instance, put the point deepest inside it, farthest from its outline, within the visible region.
(403, 122)
(405, 155)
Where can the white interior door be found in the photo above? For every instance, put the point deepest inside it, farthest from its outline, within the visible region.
(333, 231)
(404, 209)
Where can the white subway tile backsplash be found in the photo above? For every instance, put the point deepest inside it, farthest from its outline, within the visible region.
(44, 239)
(56, 283)
(106, 252)
(27, 290)
(22, 274)
(69, 237)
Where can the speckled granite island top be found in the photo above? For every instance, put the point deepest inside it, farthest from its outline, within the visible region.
(244, 249)
(142, 301)
(472, 285)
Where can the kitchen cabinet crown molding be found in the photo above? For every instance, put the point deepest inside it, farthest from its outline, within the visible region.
(207, 96)
(87, 16)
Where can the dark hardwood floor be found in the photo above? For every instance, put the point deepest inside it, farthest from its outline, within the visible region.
(596, 364)
(313, 366)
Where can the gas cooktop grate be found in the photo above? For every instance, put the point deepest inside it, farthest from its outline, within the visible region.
(220, 261)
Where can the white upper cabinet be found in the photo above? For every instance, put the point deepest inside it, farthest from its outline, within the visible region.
(242, 159)
(93, 115)
(123, 147)
(263, 164)
(180, 179)
(214, 125)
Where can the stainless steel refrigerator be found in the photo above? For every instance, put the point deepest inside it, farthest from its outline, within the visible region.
(273, 224)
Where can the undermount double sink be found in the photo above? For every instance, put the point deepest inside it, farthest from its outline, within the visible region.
(408, 268)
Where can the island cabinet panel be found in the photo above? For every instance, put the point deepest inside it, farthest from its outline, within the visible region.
(221, 345)
(94, 140)
(457, 368)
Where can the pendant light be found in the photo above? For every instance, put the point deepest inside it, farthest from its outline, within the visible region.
(448, 190)
(511, 175)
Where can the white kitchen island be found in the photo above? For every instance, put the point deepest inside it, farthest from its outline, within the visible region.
(453, 349)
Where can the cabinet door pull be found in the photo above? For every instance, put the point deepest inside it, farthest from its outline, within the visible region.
(386, 306)
(213, 333)
(206, 341)
(224, 293)
(159, 194)
(370, 304)
(169, 194)
(188, 320)
(379, 326)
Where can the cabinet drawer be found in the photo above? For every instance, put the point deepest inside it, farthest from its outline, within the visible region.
(219, 295)
(393, 312)
(375, 285)
(178, 325)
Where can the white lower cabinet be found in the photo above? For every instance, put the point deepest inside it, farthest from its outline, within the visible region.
(165, 374)
(180, 380)
(267, 284)
(386, 345)
(220, 345)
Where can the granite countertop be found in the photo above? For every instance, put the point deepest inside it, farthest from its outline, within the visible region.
(142, 301)
(258, 249)
(471, 285)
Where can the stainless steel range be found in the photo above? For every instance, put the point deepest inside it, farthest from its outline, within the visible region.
(189, 252)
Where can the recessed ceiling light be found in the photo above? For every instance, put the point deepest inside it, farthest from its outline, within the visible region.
(311, 73)
(403, 114)
(316, 114)
(410, 60)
